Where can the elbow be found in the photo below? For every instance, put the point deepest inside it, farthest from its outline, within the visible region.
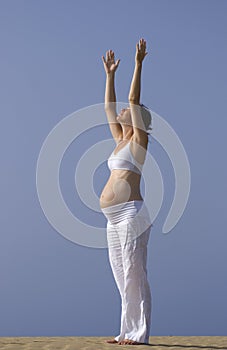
(134, 100)
(110, 106)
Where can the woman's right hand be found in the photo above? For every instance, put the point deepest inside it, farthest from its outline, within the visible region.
(109, 63)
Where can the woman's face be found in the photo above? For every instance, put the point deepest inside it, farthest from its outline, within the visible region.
(124, 116)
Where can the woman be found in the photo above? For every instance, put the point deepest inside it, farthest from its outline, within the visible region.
(128, 225)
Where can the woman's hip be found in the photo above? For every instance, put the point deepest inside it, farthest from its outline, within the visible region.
(123, 211)
(127, 222)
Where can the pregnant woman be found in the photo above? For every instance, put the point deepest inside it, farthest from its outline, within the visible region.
(128, 221)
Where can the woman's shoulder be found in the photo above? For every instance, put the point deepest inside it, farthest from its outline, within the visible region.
(138, 149)
(141, 141)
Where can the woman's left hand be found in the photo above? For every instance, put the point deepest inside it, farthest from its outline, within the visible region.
(140, 51)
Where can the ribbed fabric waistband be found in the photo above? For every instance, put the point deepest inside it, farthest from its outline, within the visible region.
(122, 211)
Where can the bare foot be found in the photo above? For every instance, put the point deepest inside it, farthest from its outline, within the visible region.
(129, 342)
(111, 341)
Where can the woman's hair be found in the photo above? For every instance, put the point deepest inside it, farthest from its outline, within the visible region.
(147, 118)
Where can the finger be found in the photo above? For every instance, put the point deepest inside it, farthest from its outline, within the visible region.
(117, 63)
(137, 47)
(143, 42)
(103, 59)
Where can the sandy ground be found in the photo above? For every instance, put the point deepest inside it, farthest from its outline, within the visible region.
(93, 343)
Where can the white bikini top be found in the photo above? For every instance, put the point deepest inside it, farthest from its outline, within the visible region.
(124, 160)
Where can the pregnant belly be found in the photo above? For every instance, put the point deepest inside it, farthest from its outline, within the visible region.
(119, 189)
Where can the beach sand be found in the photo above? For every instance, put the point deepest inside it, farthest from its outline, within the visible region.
(93, 343)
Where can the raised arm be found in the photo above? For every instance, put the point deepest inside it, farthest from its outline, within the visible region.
(110, 67)
(134, 93)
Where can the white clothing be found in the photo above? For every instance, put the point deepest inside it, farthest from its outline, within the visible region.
(127, 248)
(124, 159)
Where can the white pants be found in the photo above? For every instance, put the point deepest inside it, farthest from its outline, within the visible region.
(127, 249)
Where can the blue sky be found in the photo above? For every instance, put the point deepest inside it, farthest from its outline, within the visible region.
(50, 67)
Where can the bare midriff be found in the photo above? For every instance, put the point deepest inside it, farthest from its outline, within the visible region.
(122, 186)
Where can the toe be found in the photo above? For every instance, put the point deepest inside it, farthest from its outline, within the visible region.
(129, 342)
(111, 341)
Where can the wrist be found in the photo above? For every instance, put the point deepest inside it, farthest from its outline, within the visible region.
(138, 64)
(110, 75)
